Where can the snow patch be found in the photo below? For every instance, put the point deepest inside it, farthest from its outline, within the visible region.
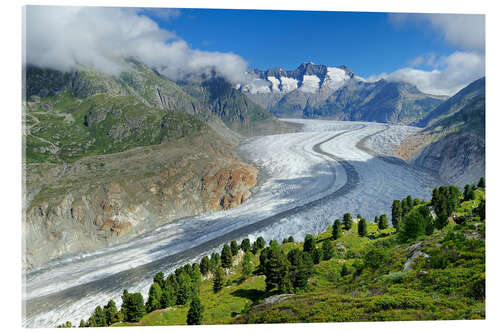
(288, 84)
(275, 83)
(310, 84)
(335, 78)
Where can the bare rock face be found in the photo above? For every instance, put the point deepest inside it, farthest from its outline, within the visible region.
(104, 200)
(228, 186)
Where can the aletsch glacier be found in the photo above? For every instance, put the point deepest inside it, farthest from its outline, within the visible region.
(71, 288)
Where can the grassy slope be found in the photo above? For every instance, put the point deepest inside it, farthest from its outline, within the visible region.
(383, 293)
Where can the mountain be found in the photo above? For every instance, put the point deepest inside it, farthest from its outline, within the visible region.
(109, 157)
(319, 91)
(453, 141)
(235, 109)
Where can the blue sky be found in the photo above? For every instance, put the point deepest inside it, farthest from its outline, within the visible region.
(367, 43)
(438, 53)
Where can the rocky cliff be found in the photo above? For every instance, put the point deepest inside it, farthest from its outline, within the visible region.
(453, 142)
(319, 91)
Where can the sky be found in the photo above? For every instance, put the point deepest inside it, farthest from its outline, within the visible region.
(437, 52)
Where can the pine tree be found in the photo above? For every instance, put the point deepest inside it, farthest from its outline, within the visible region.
(327, 249)
(376, 220)
(347, 219)
(82, 323)
(159, 278)
(336, 231)
(309, 243)
(404, 208)
(247, 266)
(469, 193)
(185, 289)
(195, 279)
(204, 265)
(214, 261)
(226, 257)
(169, 295)
(317, 255)
(133, 306)
(195, 313)
(245, 245)
(218, 279)
(111, 312)
(397, 214)
(362, 227)
(234, 248)
(409, 202)
(154, 298)
(481, 183)
(100, 317)
(261, 243)
(276, 270)
(383, 222)
(301, 268)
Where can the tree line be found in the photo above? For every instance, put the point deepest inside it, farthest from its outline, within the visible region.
(284, 272)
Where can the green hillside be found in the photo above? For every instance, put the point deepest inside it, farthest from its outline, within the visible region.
(431, 267)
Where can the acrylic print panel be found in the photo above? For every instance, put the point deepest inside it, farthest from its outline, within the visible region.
(187, 166)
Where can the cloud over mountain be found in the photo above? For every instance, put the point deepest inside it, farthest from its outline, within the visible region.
(451, 73)
(65, 37)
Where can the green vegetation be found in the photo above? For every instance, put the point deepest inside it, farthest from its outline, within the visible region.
(365, 276)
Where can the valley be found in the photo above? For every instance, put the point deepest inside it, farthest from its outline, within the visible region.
(306, 180)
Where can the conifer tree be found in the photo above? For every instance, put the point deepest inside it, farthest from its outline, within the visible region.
(327, 249)
(184, 291)
(195, 279)
(169, 295)
(218, 283)
(317, 255)
(261, 243)
(154, 298)
(245, 245)
(337, 229)
(481, 183)
(247, 266)
(226, 257)
(204, 265)
(291, 240)
(383, 222)
(234, 248)
(362, 227)
(111, 312)
(397, 214)
(195, 313)
(376, 220)
(347, 220)
(309, 243)
(159, 278)
(214, 261)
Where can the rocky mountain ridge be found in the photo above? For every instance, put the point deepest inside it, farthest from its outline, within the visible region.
(109, 157)
(453, 141)
(319, 91)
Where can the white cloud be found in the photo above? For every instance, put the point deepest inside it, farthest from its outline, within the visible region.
(466, 31)
(454, 72)
(65, 37)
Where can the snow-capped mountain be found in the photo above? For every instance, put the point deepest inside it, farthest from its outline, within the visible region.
(319, 91)
(308, 78)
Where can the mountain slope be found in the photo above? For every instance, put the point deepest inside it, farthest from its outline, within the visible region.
(109, 157)
(319, 91)
(453, 143)
(235, 109)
